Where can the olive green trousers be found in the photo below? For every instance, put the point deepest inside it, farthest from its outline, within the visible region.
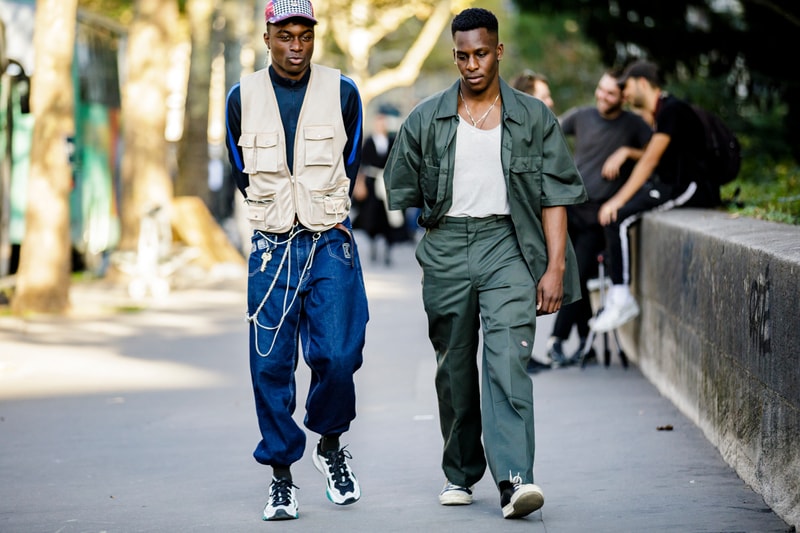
(476, 280)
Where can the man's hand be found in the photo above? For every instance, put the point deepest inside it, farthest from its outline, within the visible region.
(549, 293)
(360, 192)
(608, 212)
(614, 162)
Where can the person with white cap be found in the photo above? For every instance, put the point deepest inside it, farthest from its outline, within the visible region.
(294, 142)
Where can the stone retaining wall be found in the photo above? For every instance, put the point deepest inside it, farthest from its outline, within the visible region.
(719, 335)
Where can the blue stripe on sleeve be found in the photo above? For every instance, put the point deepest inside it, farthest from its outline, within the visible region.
(233, 144)
(357, 141)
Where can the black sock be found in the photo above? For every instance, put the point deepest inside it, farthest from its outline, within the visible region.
(282, 472)
(329, 443)
(506, 490)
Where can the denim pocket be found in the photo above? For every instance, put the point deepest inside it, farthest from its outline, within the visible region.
(340, 246)
(262, 247)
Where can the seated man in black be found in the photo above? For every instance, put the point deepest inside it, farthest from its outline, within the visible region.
(668, 174)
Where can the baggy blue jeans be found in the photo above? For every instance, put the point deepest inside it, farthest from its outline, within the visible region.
(305, 296)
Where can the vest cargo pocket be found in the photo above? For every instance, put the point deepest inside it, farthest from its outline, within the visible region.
(332, 205)
(319, 145)
(267, 152)
(258, 211)
(248, 143)
(260, 152)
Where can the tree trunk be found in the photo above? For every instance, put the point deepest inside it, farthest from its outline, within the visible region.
(45, 264)
(146, 183)
(193, 151)
(5, 157)
(240, 19)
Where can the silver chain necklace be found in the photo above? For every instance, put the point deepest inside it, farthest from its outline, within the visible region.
(469, 114)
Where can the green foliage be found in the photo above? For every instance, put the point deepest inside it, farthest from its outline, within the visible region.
(118, 10)
(729, 57)
(761, 126)
(768, 186)
(767, 189)
(553, 45)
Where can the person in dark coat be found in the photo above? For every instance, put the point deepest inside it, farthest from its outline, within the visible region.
(369, 194)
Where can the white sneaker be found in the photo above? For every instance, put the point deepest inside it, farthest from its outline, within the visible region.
(282, 504)
(521, 499)
(341, 485)
(615, 314)
(453, 494)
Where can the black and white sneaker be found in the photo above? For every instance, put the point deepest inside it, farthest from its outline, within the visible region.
(342, 485)
(282, 504)
(521, 499)
(453, 494)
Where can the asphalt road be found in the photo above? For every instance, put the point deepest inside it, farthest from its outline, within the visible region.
(128, 417)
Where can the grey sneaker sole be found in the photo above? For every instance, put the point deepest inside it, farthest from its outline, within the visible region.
(280, 514)
(524, 502)
(455, 497)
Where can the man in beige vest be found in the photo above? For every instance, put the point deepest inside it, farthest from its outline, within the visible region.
(293, 137)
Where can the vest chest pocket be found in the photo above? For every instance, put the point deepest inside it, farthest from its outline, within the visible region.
(260, 152)
(318, 145)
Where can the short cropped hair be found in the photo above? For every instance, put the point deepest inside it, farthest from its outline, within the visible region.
(615, 72)
(642, 69)
(474, 18)
(526, 81)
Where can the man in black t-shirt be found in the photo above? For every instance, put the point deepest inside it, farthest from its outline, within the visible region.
(608, 141)
(667, 175)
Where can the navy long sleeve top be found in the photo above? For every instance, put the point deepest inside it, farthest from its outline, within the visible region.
(290, 95)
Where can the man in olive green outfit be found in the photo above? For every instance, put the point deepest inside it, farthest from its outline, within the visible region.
(491, 172)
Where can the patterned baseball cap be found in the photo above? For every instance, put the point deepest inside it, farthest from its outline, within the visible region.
(280, 10)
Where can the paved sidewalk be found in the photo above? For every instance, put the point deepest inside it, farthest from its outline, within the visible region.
(143, 420)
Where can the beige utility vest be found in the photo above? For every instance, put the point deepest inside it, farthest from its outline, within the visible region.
(317, 195)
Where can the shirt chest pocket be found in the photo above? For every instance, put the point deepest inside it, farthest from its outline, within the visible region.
(523, 164)
(318, 145)
(527, 169)
(260, 152)
(525, 180)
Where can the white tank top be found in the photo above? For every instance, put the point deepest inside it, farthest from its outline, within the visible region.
(479, 187)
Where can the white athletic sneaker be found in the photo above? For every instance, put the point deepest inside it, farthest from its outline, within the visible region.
(453, 494)
(282, 504)
(615, 314)
(521, 499)
(341, 484)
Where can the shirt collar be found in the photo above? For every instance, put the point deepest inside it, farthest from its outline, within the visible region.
(450, 99)
(289, 83)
